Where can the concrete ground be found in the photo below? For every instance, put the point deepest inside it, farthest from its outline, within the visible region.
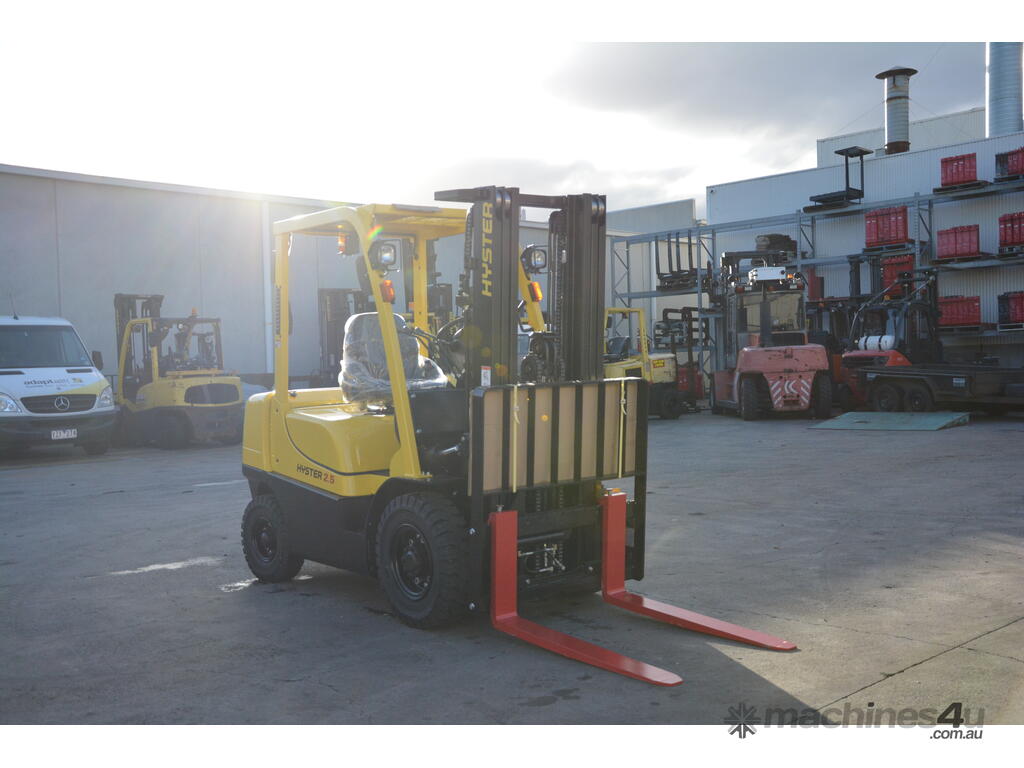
(893, 559)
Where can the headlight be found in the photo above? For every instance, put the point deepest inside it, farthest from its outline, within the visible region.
(106, 398)
(388, 255)
(9, 405)
(534, 258)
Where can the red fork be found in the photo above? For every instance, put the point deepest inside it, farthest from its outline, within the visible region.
(613, 587)
(505, 616)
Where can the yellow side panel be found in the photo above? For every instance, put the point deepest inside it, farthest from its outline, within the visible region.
(256, 431)
(332, 446)
(360, 442)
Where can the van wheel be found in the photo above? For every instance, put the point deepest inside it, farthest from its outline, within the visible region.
(750, 400)
(172, 431)
(887, 398)
(423, 559)
(265, 541)
(918, 399)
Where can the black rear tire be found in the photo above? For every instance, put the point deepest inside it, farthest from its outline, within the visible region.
(173, 431)
(423, 559)
(845, 396)
(750, 400)
(265, 541)
(918, 399)
(821, 397)
(887, 398)
(713, 405)
(671, 406)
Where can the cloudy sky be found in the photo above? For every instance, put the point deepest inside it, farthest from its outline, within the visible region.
(257, 102)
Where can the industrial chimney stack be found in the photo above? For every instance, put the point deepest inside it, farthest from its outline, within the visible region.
(897, 108)
(1004, 90)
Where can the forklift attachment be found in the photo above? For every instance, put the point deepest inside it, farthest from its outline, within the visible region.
(504, 615)
(613, 587)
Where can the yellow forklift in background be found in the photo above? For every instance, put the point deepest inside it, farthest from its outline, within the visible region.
(458, 475)
(659, 369)
(171, 383)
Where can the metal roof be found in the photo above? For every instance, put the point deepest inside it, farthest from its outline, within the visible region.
(30, 320)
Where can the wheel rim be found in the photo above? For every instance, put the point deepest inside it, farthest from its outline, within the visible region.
(410, 561)
(887, 399)
(263, 541)
(916, 402)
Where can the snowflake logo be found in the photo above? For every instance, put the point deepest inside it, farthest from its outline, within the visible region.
(742, 719)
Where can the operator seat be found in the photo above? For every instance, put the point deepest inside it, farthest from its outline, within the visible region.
(364, 367)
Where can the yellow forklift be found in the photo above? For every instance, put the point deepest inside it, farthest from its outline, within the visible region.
(171, 383)
(659, 369)
(463, 478)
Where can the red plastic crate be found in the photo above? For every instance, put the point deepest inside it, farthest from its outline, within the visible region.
(947, 243)
(1016, 161)
(959, 169)
(885, 225)
(1016, 302)
(967, 240)
(1011, 229)
(892, 267)
(1011, 307)
(960, 310)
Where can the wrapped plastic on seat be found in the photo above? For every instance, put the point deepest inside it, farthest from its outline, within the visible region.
(364, 367)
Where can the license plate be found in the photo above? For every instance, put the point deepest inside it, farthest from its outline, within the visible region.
(63, 434)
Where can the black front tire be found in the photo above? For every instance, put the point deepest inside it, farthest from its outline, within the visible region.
(750, 400)
(265, 541)
(821, 397)
(423, 559)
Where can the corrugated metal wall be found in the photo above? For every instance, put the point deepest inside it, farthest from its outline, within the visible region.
(968, 125)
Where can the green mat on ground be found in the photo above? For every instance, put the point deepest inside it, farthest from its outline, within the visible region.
(894, 421)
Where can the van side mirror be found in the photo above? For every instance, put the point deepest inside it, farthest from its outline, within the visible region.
(97, 359)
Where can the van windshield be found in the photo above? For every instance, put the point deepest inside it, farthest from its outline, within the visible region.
(41, 346)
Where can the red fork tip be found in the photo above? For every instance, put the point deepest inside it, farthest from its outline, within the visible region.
(785, 645)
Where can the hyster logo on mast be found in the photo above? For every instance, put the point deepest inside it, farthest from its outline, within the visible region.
(486, 253)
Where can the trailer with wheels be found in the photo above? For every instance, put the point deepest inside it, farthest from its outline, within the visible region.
(462, 478)
(922, 388)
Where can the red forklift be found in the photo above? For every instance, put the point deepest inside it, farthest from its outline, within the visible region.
(896, 361)
(765, 364)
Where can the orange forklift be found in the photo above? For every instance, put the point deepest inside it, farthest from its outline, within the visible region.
(765, 364)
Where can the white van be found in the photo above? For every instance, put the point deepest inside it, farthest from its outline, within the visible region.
(51, 390)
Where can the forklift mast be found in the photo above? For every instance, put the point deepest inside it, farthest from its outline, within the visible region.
(907, 323)
(132, 306)
(764, 284)
(489, 293)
